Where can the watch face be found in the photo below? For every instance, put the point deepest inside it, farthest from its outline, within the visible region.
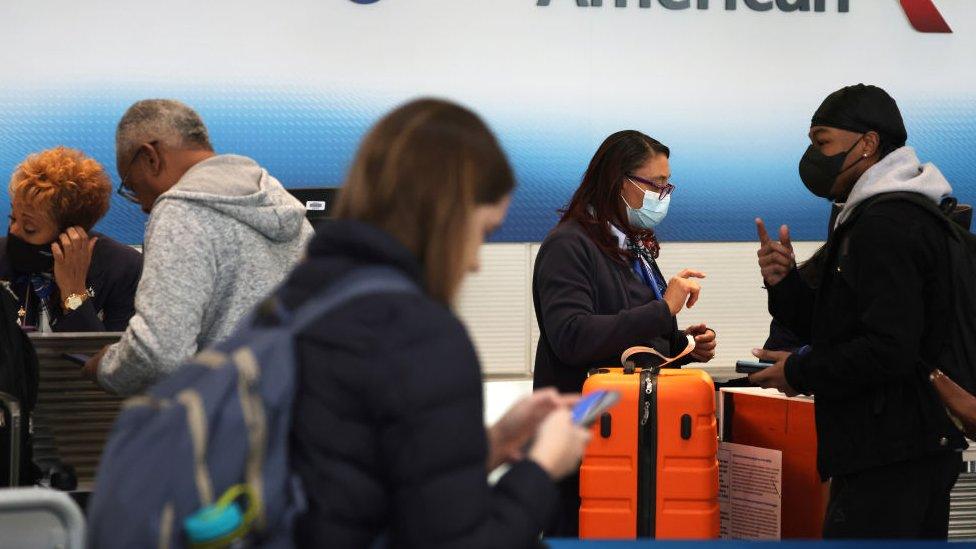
(73, 302)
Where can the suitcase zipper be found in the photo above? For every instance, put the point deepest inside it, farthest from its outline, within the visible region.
(647, 456)
(648, 382)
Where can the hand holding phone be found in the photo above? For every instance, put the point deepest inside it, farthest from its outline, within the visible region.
(750, 366)
(78, 358)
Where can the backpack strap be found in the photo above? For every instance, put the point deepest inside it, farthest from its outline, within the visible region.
(940, 211)
(357, 283)
(936, 211)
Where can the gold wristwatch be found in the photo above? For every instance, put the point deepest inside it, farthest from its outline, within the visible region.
(73, 301)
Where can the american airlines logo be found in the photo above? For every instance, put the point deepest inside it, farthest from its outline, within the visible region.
(730, 5)
(922, 14)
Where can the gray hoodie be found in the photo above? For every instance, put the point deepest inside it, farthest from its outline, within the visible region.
(216, 244)
(900, 171)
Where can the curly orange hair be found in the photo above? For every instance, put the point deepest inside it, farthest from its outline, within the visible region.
(72, 187)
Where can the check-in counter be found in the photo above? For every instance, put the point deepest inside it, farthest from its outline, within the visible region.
(73, 416)
(766, 418)
(769, 419)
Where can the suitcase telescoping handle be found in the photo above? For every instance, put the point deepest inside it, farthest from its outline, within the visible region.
(648, 358)
(10, 412)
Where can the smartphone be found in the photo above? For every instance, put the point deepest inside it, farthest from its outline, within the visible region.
(750, 366)
(78, 359)
(592, 406)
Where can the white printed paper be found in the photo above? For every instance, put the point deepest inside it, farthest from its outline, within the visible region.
(750, 492)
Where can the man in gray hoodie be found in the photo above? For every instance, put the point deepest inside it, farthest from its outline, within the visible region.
(222, 233)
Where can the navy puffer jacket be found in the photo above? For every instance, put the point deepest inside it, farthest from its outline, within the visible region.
(388, 435)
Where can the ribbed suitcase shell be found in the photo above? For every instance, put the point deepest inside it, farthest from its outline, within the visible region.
(653, 480)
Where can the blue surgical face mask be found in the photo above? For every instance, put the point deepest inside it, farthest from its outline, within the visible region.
(651, 213)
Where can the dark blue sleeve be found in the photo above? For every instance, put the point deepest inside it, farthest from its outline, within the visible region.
(567, 308)
(389, 437)
(436, 450)
(82, 319)
(791, 305)
(122, 268)
(120, 301)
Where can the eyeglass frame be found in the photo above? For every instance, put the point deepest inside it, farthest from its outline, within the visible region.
(663, 190)
(126, 191)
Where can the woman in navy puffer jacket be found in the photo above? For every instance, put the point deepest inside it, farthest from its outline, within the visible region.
(388, 435)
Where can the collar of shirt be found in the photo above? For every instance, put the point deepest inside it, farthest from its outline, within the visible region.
(621, 237)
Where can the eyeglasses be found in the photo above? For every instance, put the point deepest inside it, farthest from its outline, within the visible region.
(125, 190)
(663, 190)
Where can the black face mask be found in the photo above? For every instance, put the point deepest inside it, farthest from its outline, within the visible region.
(29, 258)
(819, 172)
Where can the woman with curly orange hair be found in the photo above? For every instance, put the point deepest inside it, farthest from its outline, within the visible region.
(66, 278)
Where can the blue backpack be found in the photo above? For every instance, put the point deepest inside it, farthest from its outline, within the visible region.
(202, 460)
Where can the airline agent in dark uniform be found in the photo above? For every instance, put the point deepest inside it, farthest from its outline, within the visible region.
(597, 288)
(65, 277)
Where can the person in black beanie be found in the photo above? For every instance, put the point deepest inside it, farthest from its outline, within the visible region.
(875, 323)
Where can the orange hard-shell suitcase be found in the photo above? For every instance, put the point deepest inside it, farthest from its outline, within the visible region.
(651, 469)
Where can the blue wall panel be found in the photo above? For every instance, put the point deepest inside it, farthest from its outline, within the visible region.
(725, 177)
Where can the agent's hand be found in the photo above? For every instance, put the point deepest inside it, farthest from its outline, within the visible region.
(683, 291)
(773, 377)
(559, 444)
(704, 342)
(508, 437)
(776, 259)
(72, 258)
(90, 369)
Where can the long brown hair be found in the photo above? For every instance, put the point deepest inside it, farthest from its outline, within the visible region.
(597, 201)
(419, 174)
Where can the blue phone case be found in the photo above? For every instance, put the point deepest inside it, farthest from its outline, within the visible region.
(593, 405)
